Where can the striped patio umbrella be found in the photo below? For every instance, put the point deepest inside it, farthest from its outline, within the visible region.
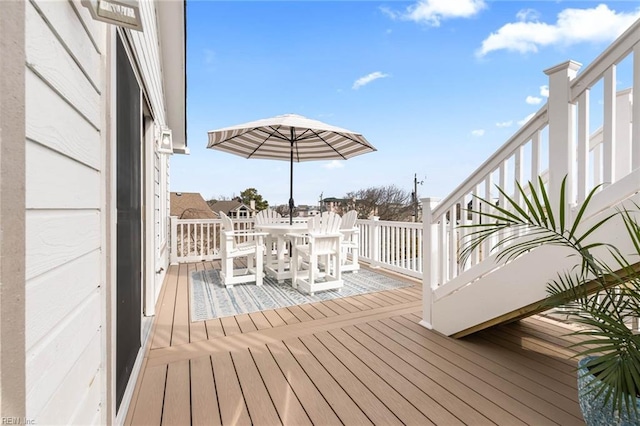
(292, 138)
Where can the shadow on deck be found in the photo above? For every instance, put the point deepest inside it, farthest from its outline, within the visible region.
(355, 360)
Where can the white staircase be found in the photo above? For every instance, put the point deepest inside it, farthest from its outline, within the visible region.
(556, 142)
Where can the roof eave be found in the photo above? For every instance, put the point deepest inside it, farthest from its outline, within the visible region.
(172, 34)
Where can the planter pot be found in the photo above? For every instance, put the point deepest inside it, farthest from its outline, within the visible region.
(594, 411)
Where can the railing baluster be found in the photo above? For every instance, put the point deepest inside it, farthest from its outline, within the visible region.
(502, 179)
(518, 173)
(442, 245)
(608, 126)
(635, 114)
(486, 248)
(535, 160)
(452, 243)
(583, 145)
(475, 219)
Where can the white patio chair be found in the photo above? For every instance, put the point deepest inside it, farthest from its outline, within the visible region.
(265, 217)
(237, 244)
(350, 242)
(319, 252)
(268, 216)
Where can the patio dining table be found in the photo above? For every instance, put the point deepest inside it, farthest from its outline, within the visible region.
(279, 268)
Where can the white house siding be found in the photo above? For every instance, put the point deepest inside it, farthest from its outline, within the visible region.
(146, 50)
(66, 197)
(161, 217)
(64, 213)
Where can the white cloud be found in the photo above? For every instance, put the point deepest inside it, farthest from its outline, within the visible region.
(477, 132)
(533, 100)
(527, 118)
(598, 24)
(528, 15)
(363, 81)
(432, 12)
(544, 91)
(504, 123)
(335, 164)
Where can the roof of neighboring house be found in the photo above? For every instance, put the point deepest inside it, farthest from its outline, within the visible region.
(227, 206)
(190, 205)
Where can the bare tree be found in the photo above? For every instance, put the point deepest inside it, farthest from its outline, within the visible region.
(387, 202)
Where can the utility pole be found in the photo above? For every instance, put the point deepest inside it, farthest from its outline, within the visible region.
(415, 196)
(320, 205)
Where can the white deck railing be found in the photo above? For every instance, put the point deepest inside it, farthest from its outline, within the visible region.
(394, 245)
(555, 143)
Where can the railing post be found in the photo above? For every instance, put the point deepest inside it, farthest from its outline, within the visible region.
(429, 260)
(374, 241)
(173, 255)
(623, 134)
(561, 138)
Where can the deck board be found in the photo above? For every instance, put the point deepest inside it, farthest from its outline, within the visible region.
(197, 329)
(418, 356)
(341, 403)
(315, 405)
(204, 404)
(507, 381)
(261, 322)
(354, 360)
(233, 409)
(282, 395)
(364, 397)
(433, 390)
(177, 407)
(181, 316)
(255, 393)
(413, 394)
(502, 392)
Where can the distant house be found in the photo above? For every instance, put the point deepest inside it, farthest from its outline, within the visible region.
(234, 209)
(304, 210)
(190, 205)
(338, 205)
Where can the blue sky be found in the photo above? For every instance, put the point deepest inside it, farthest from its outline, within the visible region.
(436, 85)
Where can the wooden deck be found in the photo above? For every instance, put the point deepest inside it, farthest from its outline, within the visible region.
(356, 360)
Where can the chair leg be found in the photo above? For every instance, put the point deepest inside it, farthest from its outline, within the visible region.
(250, 262)
(227, 270)
(259, 265)
(313, 265)
(294, 267)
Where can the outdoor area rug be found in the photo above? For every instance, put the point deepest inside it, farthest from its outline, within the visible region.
(210, 299)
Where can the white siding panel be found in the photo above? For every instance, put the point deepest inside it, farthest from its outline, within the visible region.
(56, 181)
(77, 399)
(45, 113)
(62, 16)
(51, 296)
(48, 58)
(94, 28)
(147, 51)
(49, 362)
(55, 238)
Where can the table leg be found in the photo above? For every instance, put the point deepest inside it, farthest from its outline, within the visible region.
(281, 264)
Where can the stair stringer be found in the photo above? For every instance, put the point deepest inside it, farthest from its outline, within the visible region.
(515, 289)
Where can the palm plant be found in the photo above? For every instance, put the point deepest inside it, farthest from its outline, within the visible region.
(601, 293)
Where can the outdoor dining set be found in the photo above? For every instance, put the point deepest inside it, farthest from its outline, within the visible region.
(312, 254)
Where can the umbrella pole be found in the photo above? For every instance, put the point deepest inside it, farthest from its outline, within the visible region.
(291, 204)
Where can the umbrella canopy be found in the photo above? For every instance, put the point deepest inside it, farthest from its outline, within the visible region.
(289, 137)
